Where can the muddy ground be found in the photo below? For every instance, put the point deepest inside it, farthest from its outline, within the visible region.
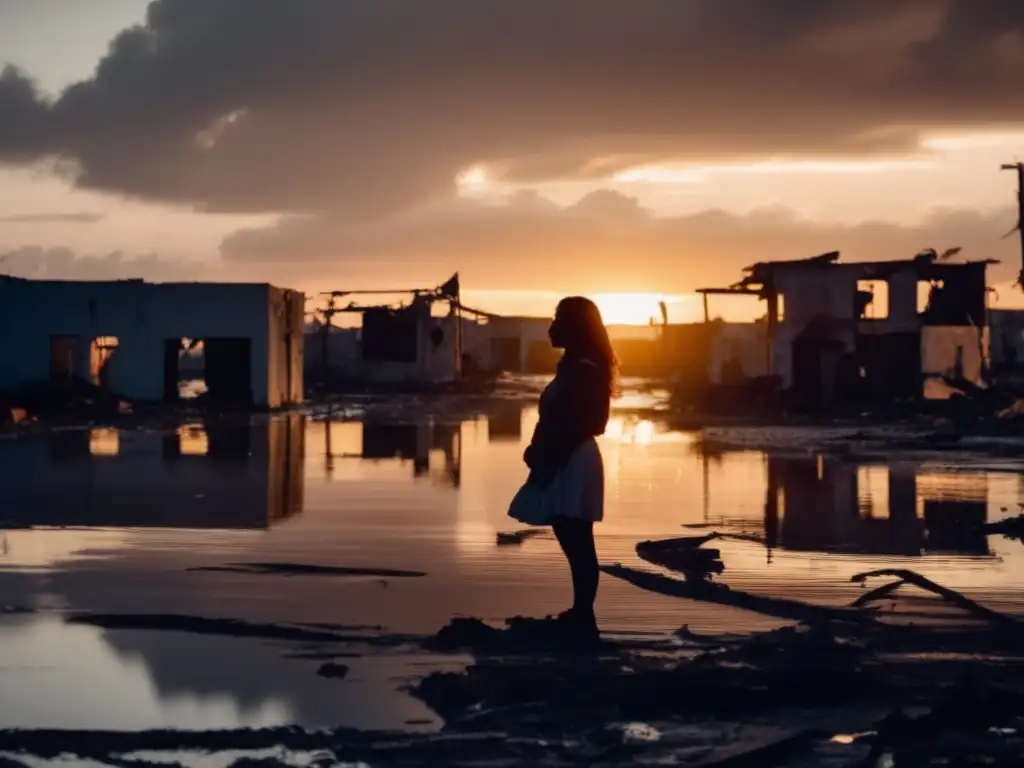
(854, 686)
(875, 683)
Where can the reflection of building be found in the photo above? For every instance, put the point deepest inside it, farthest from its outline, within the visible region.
(434, 448)
(220, 476)
(826, 505)
(505, 423)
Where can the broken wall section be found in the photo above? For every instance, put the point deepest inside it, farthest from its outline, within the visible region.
(50, 327)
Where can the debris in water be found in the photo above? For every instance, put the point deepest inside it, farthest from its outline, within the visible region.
(684, 555)
(779, 607)
(514, 538)
(333, 671)
(951, 595)
(1011, 528)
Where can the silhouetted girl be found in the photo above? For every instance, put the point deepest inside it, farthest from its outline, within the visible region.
(566, 483)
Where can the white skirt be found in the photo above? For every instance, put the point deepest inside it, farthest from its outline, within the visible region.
(576, 491)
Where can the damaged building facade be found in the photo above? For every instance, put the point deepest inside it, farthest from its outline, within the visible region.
(887, 330)
(409, 344)
(129, 336)
(399, 344)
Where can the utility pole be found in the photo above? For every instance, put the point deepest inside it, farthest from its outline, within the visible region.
(1019, 168)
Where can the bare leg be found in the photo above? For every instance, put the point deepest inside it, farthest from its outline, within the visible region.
(576, 537)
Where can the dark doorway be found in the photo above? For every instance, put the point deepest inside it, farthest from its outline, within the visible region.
(229, 370)
(390, 335)
(217, 369)
(810, 358)
(892, 364)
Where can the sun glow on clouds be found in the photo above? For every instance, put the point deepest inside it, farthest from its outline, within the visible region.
(688, 174)
(1012, 140)
(474, 181)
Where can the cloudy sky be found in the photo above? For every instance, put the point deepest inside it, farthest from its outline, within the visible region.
(537, 146)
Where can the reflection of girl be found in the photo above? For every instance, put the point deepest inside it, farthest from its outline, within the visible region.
(563, 456)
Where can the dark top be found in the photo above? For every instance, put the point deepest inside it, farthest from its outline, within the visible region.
(574, 407)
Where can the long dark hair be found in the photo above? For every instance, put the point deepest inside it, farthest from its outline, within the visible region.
(586, 336)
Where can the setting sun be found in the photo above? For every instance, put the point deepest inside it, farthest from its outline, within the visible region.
(629, 308)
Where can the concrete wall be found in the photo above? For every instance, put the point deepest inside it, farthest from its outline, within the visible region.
(530, 331)
(939, 351)
(747, 342)
(434, 365)
(286, 342)
(141, 316)
(807, 294)
(830, 292)
(476, 341)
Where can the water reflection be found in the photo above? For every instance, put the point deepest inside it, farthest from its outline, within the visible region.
(830, 505)
(212, 476)
(434, 449)
(431, 494)
(154, 680)
(424, 495)
(505, 424)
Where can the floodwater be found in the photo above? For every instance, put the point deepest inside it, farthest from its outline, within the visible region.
(406, 511)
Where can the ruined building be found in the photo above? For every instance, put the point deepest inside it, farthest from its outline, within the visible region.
(128, 337)
(886, 330)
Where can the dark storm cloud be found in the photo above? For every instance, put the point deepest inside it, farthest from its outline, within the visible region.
(365, 107)
(607, 241)
(24, 118)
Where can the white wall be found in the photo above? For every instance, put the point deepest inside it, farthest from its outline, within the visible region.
(529, 331)
(476, 341)
(831, 292)
(141, 316)
(807, 294)
(939, 345)
(747, 341)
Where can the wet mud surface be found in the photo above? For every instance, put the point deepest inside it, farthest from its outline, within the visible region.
(833, 693)
(339, 592)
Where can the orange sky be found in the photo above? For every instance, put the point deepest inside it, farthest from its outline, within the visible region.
(383, 150)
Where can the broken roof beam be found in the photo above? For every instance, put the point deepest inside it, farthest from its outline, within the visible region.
(730, 291)
(822, 259)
